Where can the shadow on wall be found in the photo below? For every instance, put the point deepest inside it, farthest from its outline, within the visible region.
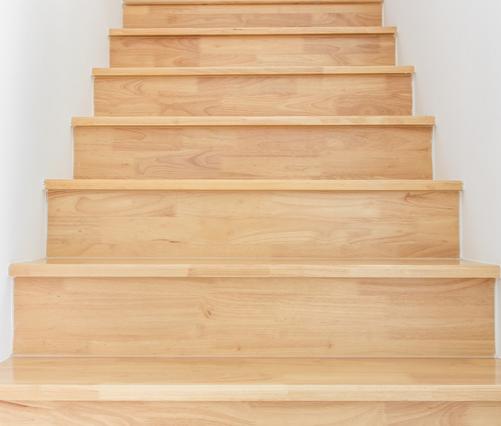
(455, 47)
(45, 80)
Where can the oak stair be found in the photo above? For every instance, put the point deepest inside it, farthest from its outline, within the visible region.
(258, 13)
(253, 91)
(294, 46)
(253, 236)
(360, 147)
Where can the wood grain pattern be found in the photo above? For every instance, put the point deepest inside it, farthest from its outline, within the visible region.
(253, 152)
(346, 224)
(255, 201)
(171, 15)
(242, 121)
(26, 413)
(249, 379)
(253, 2)
(161, 50)
(253, 95)
(266, 30)
(254, 317)
(257, 268)
(246, 70)
(247, 185)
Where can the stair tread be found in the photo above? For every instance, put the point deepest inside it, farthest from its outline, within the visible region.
(245, 70)
(251, 185)
(207, 2)
(246, 267)
(256, 121)
(249, 379)
(131, 32)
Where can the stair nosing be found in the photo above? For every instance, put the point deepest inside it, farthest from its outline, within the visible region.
(250, 31)
(256, 268)
(251, 393)
(31, 378)
(251, 185)
(240, 2)
(222, 71)
(415, 121)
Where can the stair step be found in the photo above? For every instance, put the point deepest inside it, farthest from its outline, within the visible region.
(222, 31)
(253, 218)
(250, 185)
(277, 316)
(321, 46)
(228, 392)
(253, 147)
(252, 2)
(277, 13)
(253, 91)
(245, 70)
(254, 307)
(257, 268)
(258, 380)
(415, 121)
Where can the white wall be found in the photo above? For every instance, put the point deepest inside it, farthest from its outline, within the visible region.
(48, 50)
(456, 47)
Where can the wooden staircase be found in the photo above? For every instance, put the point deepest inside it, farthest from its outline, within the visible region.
(253, 237)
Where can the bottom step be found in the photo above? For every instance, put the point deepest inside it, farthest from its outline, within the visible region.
(234, 392)
(254, 308)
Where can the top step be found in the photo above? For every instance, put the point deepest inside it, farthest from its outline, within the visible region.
(251, 13)
(250, 2)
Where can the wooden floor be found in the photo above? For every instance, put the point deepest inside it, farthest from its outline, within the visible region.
(253, 237)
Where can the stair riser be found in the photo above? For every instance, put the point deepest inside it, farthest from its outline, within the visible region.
(262, 15)
(254, 317)
(254, 95)
(251, 413)
(338, 224)
(255, 50)
(247, 152)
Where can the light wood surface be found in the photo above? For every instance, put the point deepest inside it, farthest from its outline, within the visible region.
(254, 317)
(257, 268)
(158, 93)
(231, 2)
(344, 121)
(268, 47)
(246, 70)
(96, 219)
(301, 185)
(251, 151)
(253, 217)
(223, 31)
(124, 379)
(306, 14)
(27, 413)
